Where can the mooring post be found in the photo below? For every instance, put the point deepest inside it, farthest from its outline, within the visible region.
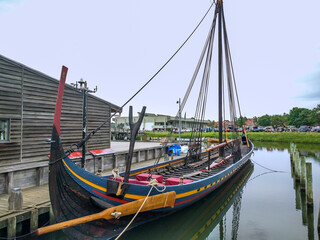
(310, 223)
(309, 184)
(12, 227)
(292, 149)
(34, 219)
(304, 208)
(292, 165)
(303, 174)
(296, 165)
(298, 195)
(15, 200)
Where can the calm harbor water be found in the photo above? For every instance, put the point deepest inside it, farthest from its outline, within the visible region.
(261, 204)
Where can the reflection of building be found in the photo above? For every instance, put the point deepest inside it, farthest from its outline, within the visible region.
(158, 122)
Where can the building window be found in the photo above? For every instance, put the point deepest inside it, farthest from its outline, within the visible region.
(4, 130)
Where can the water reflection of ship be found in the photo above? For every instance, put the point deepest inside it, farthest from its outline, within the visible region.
(199, 220)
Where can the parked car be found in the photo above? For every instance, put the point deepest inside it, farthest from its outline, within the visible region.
(280, 129)
(258, 129)
(269, 129)
(315, 129)
(292, 129)
(304, 128)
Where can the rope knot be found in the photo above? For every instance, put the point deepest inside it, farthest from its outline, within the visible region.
(115, 173)
(153, 182)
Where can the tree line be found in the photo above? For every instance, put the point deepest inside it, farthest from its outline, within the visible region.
(296, 117)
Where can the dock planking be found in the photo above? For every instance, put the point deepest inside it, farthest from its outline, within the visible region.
(32, 197)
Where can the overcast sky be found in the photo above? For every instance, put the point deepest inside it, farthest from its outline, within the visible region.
(119, 45)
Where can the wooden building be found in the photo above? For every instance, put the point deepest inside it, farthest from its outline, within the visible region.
(27, 104)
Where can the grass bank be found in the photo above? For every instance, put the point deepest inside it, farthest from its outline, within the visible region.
(283, 137)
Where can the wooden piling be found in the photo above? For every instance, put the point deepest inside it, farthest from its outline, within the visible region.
(296, 159)
(303, 174)
(310, 222)
(292, 164)
(34, 220)
(292, 150)
(309, 184)
(15, 200)
(298, 195)
(304, 208)
(12, 227)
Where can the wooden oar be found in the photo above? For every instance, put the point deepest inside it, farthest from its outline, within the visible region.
(154, 202)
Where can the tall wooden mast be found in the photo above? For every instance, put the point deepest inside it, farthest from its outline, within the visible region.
(220, 74)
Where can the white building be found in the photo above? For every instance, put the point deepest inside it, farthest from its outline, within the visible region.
(157, 122)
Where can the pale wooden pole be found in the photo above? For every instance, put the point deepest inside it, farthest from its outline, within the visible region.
(309, 184)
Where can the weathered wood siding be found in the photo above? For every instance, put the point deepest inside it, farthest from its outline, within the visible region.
(27, 98)
(10, 107)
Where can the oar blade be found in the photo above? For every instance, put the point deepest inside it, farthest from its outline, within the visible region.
(155, 202)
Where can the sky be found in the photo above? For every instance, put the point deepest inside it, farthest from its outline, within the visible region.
(119, 45)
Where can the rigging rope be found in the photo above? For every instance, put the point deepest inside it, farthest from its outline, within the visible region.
(80, 143)
(196, 134)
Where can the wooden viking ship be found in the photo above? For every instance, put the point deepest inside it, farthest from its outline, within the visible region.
(199, 220)
(76, 193)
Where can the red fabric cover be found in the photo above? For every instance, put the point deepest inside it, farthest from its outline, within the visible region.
(120, 179)
(176, 181)
(141, 182)
(144, 177)
(132, 181)
(101, 151)
(73, 155)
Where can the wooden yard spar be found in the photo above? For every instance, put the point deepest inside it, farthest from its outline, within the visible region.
(76, 193)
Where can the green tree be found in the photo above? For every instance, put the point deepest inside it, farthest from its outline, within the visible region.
(277, 121)
(120, 126)
(264, 120)
(302, 116)
(241, 121)
(316, 112)
(255, 121)
(211, 123)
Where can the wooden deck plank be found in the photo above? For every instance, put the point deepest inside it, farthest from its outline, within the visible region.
(32, 197)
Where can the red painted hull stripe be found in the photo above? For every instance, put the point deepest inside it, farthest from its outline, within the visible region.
(111, 198)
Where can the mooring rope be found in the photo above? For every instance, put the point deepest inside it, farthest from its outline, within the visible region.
(268, 168)
(153, 183)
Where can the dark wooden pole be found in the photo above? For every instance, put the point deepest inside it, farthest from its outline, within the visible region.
(84, 126)
(220, 82)
(134, 128)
